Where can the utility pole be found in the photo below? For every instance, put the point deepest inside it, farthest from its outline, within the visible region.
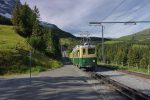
(102, 43)
(115, 22)
(103, 55)
(30, 60)
(30, 56)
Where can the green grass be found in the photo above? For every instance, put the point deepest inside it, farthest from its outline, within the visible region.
(139, 36)
(113, 42)
(14, 54)
(9, 39)
(130, 68)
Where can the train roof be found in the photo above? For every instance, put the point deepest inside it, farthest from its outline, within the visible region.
(83, 46)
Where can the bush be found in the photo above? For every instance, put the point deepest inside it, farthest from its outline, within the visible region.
(38, 69)
(37, 42)
(55, 64)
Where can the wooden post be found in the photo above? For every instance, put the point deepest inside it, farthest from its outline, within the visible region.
(148, 69)
(137, 66)
(122, 63)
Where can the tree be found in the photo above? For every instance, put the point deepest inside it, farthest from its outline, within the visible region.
(16, 19)
(35, 18)
(26, 23)
(36, 13)
(5, 21)
(145, 61)
(53, 45)
(36, 29)
(37, 42)
(25, 20)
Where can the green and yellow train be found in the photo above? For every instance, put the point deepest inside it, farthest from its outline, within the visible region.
(84, 56)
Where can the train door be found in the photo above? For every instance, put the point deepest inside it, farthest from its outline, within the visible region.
(78, 54)
(83, 56)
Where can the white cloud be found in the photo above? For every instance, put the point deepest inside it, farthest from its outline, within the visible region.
(74, 15)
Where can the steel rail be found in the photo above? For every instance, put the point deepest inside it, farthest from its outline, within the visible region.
(124, 90)
(143, 75)
(139, 74)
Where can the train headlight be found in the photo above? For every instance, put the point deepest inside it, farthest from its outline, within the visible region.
(93, 60)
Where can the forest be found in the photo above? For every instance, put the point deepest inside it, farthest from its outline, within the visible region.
(26, 23)
(126, 54)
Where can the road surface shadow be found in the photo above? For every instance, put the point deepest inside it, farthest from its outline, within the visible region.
(47, 88)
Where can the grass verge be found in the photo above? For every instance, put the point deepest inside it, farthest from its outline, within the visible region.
(130, 68)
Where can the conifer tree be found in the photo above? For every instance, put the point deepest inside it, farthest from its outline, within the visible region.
(144, 61)
(16, 18)
(25, 19)
(35, 19)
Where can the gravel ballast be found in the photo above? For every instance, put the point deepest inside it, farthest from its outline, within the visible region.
(132, 81)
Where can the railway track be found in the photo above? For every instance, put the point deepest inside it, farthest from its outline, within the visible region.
(126, 91)
(143, 75)
(139, 74)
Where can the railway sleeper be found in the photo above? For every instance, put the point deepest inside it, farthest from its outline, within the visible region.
(124, 90)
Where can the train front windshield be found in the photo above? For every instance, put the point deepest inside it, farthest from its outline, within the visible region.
(91, 51)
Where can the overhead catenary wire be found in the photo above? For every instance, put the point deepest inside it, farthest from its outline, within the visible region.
(103, 55)
(109, 22)
(130, 13)
(137, 11)
(114, 9)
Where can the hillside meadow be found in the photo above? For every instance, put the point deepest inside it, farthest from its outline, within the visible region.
(14, 54)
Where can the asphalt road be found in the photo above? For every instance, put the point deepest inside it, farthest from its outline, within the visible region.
(66, 83)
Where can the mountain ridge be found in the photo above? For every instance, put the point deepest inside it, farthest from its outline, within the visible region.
(6, 8)
(143, 35)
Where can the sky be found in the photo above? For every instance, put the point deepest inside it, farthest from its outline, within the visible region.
(74, 15)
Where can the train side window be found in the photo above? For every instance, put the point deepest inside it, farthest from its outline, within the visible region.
(78, 53)
(91, 50)
(75, 54)
(84, 52)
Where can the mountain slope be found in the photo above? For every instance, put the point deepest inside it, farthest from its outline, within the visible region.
(14, 54)
(139, 36)
(59, 32)
(6, 7)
